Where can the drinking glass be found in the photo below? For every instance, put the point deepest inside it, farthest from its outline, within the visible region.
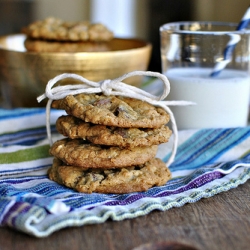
(189, 53)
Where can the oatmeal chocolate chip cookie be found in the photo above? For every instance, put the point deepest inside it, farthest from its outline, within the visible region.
(76, 128)
(80, 153)
(56, 29)
(113, 111)
(124, 180)
(67, 47)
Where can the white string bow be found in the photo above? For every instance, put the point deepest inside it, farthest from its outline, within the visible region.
(113, 87)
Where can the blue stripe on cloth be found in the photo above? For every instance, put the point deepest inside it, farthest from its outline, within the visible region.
(24, 137)
(206, 146)
(33, 204)
(19, 112)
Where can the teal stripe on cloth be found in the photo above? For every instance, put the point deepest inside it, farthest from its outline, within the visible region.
(208, 162)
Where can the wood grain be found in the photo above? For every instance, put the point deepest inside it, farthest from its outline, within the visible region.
(219, 222)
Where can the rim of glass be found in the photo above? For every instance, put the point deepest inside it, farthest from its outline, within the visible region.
(169, 27)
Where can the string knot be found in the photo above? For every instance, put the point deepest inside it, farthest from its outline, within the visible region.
(106, 87)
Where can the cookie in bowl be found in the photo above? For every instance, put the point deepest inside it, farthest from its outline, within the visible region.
(55, 29)
(55, 35)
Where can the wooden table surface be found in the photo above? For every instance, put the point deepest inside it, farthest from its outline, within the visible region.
(220, 222)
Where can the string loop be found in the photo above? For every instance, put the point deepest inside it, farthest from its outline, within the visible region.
(112, 87)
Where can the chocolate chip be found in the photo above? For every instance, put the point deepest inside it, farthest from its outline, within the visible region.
(122, 132)
(103, 103)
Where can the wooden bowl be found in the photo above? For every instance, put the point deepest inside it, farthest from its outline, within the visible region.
(24, 74)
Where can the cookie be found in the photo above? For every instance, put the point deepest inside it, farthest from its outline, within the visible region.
(67, 47)
(113, 111)
(80, 153)
(125, 180)
(76, 128)
(56, 29)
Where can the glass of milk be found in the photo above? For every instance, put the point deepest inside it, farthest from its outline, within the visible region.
(189, 53)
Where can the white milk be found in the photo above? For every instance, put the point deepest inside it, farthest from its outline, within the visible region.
(222, 101)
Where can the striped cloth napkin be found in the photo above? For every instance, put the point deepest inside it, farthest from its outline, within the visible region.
(208, 162)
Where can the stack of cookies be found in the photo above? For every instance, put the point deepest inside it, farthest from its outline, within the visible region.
(55, 35)
(110, 145)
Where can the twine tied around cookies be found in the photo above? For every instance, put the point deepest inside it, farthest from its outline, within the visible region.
(113, 87)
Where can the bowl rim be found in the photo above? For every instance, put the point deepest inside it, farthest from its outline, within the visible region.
(143, 44)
